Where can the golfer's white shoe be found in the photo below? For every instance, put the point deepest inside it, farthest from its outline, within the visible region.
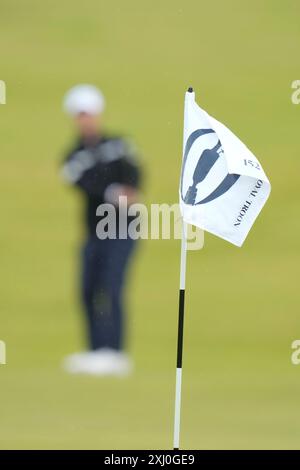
(102, 362)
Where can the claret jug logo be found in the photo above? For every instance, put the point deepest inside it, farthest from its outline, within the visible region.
(204, 166)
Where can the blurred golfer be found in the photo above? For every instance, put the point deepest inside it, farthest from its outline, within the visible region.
(103, 168)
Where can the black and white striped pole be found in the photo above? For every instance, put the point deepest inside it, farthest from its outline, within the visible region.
(180, 338)
(180, 314)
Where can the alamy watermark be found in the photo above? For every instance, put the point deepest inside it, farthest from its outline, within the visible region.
(2, 352)
(137, 221)
(295, 96)
(2, 92)
(295, 356)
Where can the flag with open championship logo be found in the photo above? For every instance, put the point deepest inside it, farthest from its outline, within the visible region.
(223, 186)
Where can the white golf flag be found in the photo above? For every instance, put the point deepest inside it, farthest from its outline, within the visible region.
(223, 186)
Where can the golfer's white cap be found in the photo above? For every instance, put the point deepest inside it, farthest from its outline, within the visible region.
(83, 99)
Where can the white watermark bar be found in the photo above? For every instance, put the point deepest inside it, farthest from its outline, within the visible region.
(2, 352)
(2, 92)
(138, 221)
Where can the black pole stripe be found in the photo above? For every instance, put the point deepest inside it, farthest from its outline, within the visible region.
(180, 327)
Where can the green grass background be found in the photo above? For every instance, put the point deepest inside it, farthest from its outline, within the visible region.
(240, 389)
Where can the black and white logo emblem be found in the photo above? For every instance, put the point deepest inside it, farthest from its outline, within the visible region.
(204, 175)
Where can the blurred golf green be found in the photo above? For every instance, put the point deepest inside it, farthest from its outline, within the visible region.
(240, 389)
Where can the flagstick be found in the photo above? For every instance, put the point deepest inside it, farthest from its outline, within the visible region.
(180, 339)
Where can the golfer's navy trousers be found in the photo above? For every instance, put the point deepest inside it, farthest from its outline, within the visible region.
(104, 264)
